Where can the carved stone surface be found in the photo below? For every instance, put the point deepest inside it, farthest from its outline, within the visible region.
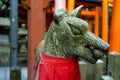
(69, 37)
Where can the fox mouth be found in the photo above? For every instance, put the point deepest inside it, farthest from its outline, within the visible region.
(95, 53)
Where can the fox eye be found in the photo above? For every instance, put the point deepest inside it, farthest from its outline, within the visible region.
(76, 31)
(59, 17)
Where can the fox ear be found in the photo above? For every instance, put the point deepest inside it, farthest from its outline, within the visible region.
(59, 15)
(76, 12)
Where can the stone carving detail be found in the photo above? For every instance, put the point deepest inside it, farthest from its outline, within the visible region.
(69, 37)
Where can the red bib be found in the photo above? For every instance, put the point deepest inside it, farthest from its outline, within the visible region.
(53, 68)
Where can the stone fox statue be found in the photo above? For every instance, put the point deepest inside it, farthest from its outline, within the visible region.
(67, 39)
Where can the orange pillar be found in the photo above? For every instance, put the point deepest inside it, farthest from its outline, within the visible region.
(70, 5)
(36, 25)
(115, 27)
(60, 4)
(105, 20)
(90, 24)
(96, 29)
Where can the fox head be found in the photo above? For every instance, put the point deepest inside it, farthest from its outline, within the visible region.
(69, 36)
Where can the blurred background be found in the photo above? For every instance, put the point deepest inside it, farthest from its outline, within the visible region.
(23, 24)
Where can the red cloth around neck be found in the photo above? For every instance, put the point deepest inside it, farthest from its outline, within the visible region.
(53, 68)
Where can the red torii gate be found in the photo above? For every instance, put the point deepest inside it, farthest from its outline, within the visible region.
(36, 28)
(115, 27)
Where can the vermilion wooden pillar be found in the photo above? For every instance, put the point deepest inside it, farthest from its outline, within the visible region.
(36, 27)
(90, 24)
(70, 5)
(115, 27)
(105, 20)
(96, 29)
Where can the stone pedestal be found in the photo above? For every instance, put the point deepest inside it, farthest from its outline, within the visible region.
(91, 71)
(114, 65)
(99, 70)
(83, 69)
